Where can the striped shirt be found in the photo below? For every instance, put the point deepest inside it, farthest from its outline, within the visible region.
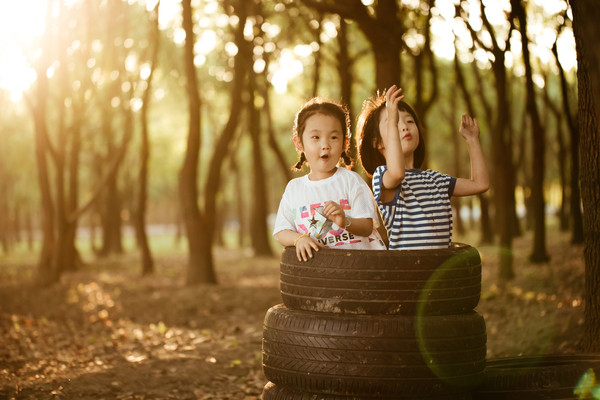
(419, 216)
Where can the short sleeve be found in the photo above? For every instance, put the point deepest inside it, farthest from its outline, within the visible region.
(445, 183)
(378, 182)
(363, 204)
(285, 218)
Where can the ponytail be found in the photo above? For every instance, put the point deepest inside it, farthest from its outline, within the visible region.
(298, 165)
(346, 158)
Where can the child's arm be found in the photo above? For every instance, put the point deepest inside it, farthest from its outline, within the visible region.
(357, 226)
(304, 244)
(394, 156)
(480, 181)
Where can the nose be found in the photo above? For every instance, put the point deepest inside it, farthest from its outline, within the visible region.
(402, 126)
(325, 145)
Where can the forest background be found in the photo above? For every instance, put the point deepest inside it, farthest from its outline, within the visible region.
(126, 126)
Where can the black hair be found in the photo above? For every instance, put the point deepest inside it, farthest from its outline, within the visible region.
(317, 105)
(369, 137)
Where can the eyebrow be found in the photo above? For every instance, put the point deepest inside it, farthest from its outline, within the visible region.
(321, 131)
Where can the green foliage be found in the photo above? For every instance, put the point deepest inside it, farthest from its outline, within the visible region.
(96, 81)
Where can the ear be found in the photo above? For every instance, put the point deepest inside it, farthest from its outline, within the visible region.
(298, 144)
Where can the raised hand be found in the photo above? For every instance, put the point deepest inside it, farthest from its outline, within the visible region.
(469, 129)
(392, 97)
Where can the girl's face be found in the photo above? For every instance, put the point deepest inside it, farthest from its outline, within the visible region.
(407, 128)
(322, 143)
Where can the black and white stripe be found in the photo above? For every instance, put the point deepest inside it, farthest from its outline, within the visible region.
(420, 215)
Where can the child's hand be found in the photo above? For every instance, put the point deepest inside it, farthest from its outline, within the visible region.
(335, 212)
(304, 247)
(469, 129)
(392, 98)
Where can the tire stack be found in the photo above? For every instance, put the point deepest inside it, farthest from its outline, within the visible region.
(376, 325)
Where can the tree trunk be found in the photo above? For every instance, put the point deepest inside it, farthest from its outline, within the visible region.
(572, 124)
(487, 236)
(240, 205)
(563, 216)
(273, 144)
(344, 67)
(142, 196)
(111, 212)
(586, 14)
(46, 274)
(200, 263)
(539, 253)
(502, 158)
(258, 225)
(317, 55)
(223, 145)
(384, 32)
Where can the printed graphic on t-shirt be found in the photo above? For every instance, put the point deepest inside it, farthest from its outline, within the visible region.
(311, 219)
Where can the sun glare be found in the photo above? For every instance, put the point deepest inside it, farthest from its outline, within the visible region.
(20, 23)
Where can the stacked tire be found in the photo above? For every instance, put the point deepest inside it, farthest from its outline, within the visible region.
(376, 325)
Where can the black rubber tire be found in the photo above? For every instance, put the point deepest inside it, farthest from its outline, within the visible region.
(429, 282)
(278, 392)
(373, 356)
(536, 377)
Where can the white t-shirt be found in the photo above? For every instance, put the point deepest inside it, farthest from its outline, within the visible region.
(303, 200)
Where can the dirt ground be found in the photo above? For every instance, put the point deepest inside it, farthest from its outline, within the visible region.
(106, 333)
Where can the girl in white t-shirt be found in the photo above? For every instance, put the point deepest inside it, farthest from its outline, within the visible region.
(330, 206)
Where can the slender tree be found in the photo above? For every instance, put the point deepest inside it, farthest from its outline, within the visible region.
(572, 125)
(539, 253)
(383, 28)
(200, 225)
(142, 195)
(487, 236)
(502, 155)
(200, 264)
(562, 155)
(57, 142)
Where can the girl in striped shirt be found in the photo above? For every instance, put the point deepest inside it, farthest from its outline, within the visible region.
(414, 204)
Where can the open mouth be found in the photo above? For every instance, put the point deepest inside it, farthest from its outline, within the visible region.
(324, 157)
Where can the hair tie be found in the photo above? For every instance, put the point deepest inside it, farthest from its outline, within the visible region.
(298, 165)
(347, 159)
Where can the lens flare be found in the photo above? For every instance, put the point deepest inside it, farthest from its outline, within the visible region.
(439, 280)
(587, 386)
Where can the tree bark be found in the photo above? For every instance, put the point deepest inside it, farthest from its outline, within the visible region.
(562, 157)
(572, 124)
(539, 253)
(200, 263)
(586, 14)
(487, 236)
(258, 224)
(502, 155)
(317, 64)
(223, 145)
(273, 144)
(383, 30)
(142, 195)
